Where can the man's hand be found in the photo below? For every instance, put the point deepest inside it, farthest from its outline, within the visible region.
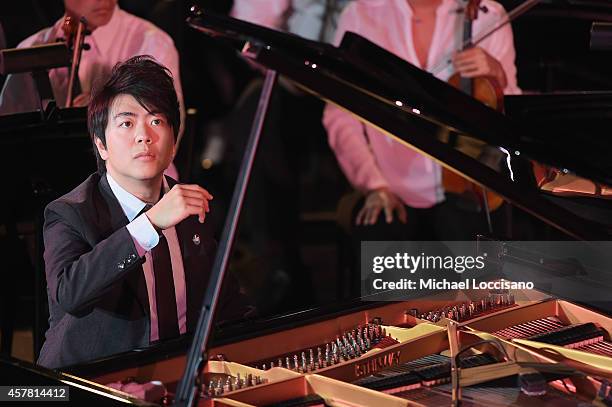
(179, 203)
(476, 61)
(377, 201)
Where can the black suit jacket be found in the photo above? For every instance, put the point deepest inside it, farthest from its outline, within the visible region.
(98, 301)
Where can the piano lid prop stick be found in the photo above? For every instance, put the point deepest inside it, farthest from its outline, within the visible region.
(188, 388)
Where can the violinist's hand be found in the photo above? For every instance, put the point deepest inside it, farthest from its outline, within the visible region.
(177, 204)
(381, 200)
(81, 100)
(476, 61)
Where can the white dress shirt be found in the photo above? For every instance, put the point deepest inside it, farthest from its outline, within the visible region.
(146, 238)
(312, 19)
(379, 161)
(123, 37)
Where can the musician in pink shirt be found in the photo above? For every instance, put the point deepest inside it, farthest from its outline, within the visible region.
(399, 183)
(116, 36)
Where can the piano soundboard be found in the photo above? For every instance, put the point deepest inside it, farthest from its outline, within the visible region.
(517, 348)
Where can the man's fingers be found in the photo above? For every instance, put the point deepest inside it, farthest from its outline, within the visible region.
(373, 215)
(470, 74)
(465, 65)
(401, 213)
(360, 216)
(469, 70)
(388, 213)
(193, 194)
(197, 188)
(200, 203)
(196, 210)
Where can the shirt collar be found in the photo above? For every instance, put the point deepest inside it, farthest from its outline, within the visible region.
(130, 204)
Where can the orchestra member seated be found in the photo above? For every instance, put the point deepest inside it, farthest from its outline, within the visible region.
(115, 36)
(404, 198)
(128, 253)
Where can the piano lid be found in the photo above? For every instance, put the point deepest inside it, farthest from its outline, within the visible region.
(421, 111)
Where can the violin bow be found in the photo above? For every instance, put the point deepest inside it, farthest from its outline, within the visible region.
(512, 15)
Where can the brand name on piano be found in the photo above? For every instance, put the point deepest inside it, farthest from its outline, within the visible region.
(378, 363)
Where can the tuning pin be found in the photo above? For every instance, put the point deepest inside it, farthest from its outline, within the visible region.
(296, 365)
(311, 359)
(338, 344)
(287, 363)
(345, 353)
(219, 387)
(350, 352)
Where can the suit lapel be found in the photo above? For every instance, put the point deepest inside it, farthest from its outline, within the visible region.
(116, 219)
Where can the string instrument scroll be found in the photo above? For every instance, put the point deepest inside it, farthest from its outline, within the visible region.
(75, 31)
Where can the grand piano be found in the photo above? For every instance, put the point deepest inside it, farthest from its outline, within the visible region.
(550, 345)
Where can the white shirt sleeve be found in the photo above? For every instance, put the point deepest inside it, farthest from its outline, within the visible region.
(143, 232)
(500, 45)
(345, 133)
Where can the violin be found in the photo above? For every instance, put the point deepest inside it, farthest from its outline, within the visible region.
(487, 90)
(74, 30)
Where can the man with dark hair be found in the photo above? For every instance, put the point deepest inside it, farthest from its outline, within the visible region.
(125, 260)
